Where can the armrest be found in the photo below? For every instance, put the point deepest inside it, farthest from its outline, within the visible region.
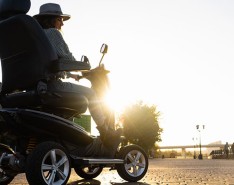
(68, 65)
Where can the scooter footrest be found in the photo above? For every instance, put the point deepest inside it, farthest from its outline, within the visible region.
(85, 161)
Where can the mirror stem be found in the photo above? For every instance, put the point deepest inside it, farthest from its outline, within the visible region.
(101, 59)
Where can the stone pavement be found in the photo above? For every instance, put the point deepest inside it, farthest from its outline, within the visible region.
(165, 172)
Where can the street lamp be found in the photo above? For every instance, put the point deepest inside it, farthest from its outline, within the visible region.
(199, 128)
(194, 146)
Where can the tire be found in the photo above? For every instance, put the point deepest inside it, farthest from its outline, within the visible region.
(135, 163)
(48, 164)
(88, 172)
(4, 177)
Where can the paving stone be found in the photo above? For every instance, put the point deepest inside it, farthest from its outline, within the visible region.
(165, 172)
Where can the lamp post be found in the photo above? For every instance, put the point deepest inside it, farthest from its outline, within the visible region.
(199, 128)
(194, 146)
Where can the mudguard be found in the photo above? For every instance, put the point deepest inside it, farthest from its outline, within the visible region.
(4, 147)
(46, 126)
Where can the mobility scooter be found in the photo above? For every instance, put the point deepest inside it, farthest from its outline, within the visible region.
(37, 134)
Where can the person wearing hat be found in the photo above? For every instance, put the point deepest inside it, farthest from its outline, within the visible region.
(51, 19)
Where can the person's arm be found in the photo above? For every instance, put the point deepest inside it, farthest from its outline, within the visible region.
(61, 48)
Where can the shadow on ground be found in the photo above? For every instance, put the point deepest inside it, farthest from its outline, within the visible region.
(129, 183)
(83, 182)
(96, 182)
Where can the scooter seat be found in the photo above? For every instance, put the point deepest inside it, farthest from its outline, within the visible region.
(64, 105)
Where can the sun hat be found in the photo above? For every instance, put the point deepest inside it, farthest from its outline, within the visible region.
(52, 9)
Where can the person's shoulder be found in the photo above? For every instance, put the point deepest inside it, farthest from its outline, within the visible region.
(52, 30)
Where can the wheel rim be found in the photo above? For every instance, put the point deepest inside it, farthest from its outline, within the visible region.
(55, 167)
(135, 163)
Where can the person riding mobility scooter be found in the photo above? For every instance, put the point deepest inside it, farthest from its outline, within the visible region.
(37, 136)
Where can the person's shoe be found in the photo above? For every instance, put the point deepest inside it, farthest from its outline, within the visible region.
(109, 136)
(111, 144)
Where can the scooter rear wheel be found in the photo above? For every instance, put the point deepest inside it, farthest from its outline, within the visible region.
(88, 172)
(135, 163)
(5, 178)
(48, 164)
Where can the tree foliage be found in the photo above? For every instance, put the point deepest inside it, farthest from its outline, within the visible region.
(141, 126)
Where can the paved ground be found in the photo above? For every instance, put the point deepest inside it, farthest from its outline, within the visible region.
(166, 172)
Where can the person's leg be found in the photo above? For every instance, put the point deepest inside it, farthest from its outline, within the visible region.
(109, 136)
(93, 102)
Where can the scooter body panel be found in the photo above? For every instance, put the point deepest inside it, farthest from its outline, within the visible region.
(44, 125)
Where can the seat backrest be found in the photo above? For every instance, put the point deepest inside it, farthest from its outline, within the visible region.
(25, 51)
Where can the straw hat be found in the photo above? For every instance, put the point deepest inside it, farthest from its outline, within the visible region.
(52, 9)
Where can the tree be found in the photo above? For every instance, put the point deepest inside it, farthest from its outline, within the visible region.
(140, 125)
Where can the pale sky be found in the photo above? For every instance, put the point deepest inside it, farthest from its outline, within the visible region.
(175, 54)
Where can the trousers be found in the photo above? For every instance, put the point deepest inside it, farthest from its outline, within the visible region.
(94, 104)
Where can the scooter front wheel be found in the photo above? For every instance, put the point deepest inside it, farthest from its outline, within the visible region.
(48, 164)
(135, 163)
(88, 172)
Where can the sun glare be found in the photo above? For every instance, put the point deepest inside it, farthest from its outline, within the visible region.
(115, 103)
(118, 98)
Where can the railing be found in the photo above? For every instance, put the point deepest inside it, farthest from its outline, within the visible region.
(192, 146)
(221, 154)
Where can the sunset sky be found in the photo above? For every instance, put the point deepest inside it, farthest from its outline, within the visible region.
(175, 54)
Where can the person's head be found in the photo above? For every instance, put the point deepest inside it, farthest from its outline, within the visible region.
(51, 16)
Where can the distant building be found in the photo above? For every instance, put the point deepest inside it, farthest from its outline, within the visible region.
(209, 150)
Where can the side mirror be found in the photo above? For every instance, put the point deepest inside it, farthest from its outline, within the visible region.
(104, 48)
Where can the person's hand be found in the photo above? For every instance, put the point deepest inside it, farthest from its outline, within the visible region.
(75, 77)
(78, 77)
